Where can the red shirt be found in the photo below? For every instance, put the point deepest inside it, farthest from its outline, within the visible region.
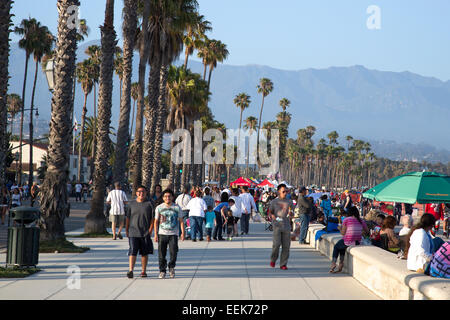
(435, 209)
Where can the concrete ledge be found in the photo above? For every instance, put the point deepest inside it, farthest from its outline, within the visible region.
(381, 271)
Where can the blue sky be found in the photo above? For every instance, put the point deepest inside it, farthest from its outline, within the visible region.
(301, 34)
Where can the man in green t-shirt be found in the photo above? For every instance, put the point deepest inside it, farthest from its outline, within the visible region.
(168, 218)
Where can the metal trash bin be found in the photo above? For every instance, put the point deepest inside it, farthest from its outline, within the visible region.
(23, 239)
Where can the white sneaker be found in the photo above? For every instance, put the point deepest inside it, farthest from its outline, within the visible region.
(172, 272)
(162, 275)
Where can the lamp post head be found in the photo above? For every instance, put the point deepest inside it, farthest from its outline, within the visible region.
(50, 74)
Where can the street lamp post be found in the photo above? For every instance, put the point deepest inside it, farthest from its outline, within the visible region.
(16, 158)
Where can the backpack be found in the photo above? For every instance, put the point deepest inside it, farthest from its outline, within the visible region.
(440, 263)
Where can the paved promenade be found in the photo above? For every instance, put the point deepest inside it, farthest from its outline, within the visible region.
(237, 270)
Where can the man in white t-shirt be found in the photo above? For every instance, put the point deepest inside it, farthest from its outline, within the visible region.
(249, 204)
(237, 209)
(117, 199)
(78, 188)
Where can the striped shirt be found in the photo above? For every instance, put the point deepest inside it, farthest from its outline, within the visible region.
(354, 230)
(117, 198)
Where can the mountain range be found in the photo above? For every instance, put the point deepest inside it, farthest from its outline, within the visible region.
(404, 115)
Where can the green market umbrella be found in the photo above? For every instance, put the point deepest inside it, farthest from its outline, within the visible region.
(412, 187)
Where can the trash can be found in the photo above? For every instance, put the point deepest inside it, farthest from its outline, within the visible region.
(23, 237)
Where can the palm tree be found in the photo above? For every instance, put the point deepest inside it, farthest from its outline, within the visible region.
(219, 53)
(28, 29)
(83, 30)
(265, 87)
(5, 20)
(123, 138)
(187, 99)
(88, 142)
(43, 46)
(95, 220)
(284, 103)
(85, 77)
(168, 21)
(250, 124)
(134, 96)
(118, 68)
(14, 106)
(242, 101)
(143, 45)
(195, 36)
(54, 198)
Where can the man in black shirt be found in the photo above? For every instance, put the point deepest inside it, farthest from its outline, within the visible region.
(139, 227)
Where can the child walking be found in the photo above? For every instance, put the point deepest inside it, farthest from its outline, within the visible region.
(230, 224)
(210, 218)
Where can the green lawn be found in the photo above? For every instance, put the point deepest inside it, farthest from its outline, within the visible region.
(17, 272)
(62, 246)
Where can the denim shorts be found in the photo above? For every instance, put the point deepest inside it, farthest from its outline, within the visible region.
(141, 245)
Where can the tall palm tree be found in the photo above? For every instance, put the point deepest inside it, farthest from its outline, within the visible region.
(195, 36)
(242, 101)
(5, 20)
(168, 21)
(28, 29)
(118, 68)
(143, 45)
(250, 124)
(84, 73)
(265, 87)
(219, 53)
(43, 46)
(95, 220)
(54, 198)
(14, 106)
(123, 138)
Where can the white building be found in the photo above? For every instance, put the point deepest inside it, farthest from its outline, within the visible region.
(39, 151)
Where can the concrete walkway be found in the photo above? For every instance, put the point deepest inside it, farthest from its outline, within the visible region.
(219, 270)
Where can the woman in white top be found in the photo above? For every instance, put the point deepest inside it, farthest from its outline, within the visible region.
(15, 198)
(419, 244)
(197, 207)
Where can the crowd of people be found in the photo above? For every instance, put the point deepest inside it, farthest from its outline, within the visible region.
(209, 212)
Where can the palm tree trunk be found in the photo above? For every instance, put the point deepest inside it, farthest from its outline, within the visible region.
(204, 72)
(186, 58)
(54, 198)
(138, 143)
(259, 127)
(5, 20)
(95, 220)
(129, 30)
(27, 58)
(31, 169)
(94, 133)
(160, 124)
(132, 119)
(80, 177)
(209, 76)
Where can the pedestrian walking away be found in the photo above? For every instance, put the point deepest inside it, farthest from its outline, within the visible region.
(168, 218)
(220, 211)
(250, 205)
(139, 228)
(117, 199)
(197, 207)
(281, 209)
(78, 188)
(304, 207)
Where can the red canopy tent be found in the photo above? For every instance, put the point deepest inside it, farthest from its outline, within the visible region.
(266, 183)
(250, 181)
(240, 182)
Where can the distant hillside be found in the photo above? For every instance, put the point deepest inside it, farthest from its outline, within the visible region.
(412, 110)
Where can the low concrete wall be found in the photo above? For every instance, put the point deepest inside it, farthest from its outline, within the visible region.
(381, 271)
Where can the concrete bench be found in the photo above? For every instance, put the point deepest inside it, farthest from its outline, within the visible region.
(381, 271)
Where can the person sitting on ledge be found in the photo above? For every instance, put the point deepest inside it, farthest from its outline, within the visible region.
(393, 241)
(352, 229)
